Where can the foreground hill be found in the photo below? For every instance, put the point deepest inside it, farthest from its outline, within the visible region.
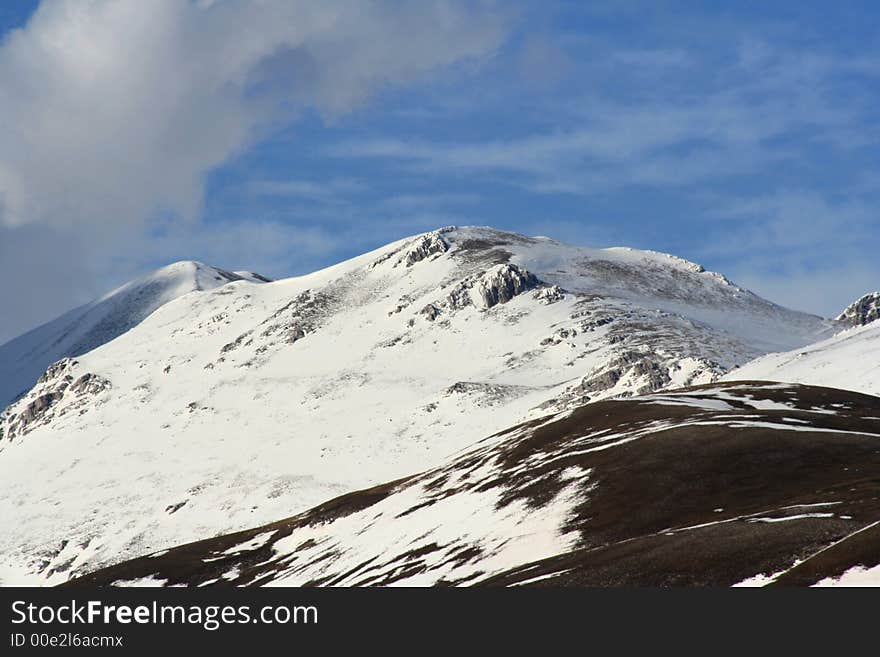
(734, 484)
(234, 406)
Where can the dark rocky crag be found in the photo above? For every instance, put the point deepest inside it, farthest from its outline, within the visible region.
(862, 312)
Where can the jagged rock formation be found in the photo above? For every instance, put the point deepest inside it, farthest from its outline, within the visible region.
(424, 247)
(550, 294)
(501, 283)
(498, 284)
(61, 389)
(862, 312)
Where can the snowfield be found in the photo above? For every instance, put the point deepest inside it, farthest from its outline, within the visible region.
(198, 402)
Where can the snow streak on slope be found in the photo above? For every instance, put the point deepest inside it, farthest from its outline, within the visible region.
(24, 359)
(849, 360)
(718, 485)
(246, 403)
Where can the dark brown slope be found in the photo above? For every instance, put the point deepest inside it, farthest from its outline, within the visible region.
(706, 486)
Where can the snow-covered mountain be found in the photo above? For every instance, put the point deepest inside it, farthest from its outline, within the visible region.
(82, 329)
(245, 403)
(849, 360)
(741, 484)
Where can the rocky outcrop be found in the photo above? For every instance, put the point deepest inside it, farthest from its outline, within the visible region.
(862, 312)
(559, 336)
(460, 295)
(89, 384)
(503, 282)
(290, 323)
(650, 374)
(550, 294)
(486, 394)
(419, 248)
(57, 370)
(59, 390)
(496, 285)
(430, 312)
(424, 247)
(294, 333)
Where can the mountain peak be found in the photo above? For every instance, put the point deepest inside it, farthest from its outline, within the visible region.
(84, 328)
(863, 311)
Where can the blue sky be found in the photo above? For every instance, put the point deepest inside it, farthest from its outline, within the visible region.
(287, 136)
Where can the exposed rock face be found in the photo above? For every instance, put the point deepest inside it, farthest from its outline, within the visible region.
(55, 370)
(58, 391)
(486, 394)
(430, 312)
(498, 284)
(88, 384)
(503, 282)
(290, 323)
(864, 311)
(424, 247)
(559, 336)
(650, 374)
(420, 248)
(295, 333)
(460, 296)
(551, 294)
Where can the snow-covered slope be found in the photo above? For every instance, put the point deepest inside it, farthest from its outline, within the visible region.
(849, 360)
(738, 484)
(245, 403)
(25, 358)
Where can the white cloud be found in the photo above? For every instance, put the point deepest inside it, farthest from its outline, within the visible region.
(114, 111)
(799, 222)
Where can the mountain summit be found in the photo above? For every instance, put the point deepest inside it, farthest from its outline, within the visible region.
(864, 311)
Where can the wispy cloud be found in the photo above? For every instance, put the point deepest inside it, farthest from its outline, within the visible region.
(798, 246)
(763, 108)
(799, 221)
(317, 190)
